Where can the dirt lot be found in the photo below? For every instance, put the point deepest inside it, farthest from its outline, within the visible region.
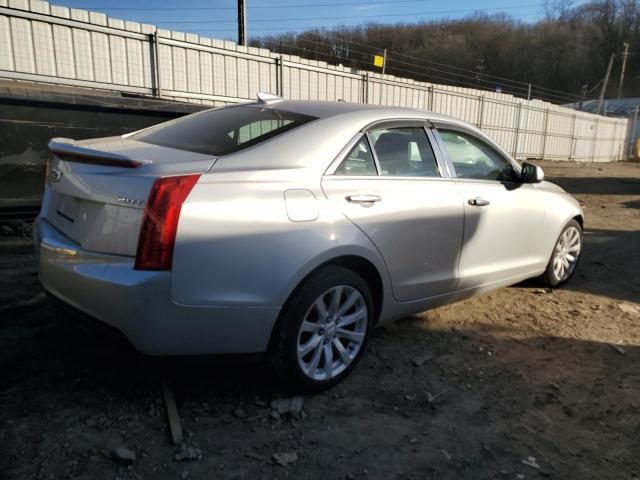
(520, 373)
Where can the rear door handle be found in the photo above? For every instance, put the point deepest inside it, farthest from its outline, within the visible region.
(478, 202)
(364, 198)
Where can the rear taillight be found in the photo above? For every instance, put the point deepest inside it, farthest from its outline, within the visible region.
(160, 221)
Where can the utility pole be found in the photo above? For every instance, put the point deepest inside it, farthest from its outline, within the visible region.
(242, 23)
(625, 54)
(384, 68)
(605, 82)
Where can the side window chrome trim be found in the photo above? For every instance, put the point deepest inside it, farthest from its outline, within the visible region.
(441, 161)
(398, 123)
(375, 154)
(342, 156)
(386, 178)
(488, 182)
(445, 154)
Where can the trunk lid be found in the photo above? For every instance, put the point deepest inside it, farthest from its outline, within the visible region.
(97, 189)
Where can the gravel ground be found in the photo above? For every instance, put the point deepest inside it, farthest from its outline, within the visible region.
(521, 383)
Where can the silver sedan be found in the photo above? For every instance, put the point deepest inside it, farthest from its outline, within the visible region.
(293, 228)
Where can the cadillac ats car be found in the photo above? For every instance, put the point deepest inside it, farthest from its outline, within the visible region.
(292, 228)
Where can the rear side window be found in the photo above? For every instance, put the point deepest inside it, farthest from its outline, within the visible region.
(222, 131)
(404, 152)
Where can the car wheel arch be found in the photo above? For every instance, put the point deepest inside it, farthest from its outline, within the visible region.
(580, 219)
(356, 263)
(369, 273)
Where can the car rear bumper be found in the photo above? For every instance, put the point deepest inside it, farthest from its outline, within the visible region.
(139, 303)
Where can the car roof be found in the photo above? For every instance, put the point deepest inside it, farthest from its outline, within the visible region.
(325, 109)
(315, 143)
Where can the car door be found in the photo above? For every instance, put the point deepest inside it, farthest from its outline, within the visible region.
(391, 185)
(503, 216)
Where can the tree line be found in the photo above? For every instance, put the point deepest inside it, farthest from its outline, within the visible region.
(567, 51)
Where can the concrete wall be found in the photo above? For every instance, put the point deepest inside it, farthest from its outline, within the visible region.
(47, 43)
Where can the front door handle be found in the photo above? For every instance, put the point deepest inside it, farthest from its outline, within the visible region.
(364, 198)
(478, 202)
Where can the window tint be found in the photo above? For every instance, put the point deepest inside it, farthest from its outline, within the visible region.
(359, 161)
(472, 158)
(257, 129)
(404, 152)
(222, 131)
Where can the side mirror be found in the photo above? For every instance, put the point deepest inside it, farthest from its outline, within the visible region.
(531, 173)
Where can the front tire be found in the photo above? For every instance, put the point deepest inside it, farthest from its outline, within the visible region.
(322, 330)
(565, 256)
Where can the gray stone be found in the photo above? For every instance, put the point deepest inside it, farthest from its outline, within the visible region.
(421, 360)
(531, 462)
(124, 456)
(285, 458)
(189, 453)
(291, 406)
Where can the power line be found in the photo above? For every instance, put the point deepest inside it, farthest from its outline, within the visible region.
(425, 70)
(300, 5)
(442, 12)
(453, 67)
(472, 80)
(332, 56)
(474, 74)
(511, 84)
(367, 63)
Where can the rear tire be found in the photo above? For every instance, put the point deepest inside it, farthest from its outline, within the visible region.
(565, 256)
(322, 330)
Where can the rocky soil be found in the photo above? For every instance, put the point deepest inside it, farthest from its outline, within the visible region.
(522, 383)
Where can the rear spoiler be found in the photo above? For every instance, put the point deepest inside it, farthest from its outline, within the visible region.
(67, 150)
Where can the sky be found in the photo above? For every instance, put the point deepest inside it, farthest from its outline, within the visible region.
(217, 19)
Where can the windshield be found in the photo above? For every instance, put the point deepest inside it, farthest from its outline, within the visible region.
(222, 131)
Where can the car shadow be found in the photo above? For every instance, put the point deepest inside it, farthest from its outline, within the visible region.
(610, 258)
(632, 203)
(453, 403)
(598, 185)
(608, 266)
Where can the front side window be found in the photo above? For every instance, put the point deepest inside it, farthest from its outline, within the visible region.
(359, 161)
(224, 130)
(472, 158)
(404, 152)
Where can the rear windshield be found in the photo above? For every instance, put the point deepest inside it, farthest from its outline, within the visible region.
(222, 131)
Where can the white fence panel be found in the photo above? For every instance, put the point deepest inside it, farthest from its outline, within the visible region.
(49, 43)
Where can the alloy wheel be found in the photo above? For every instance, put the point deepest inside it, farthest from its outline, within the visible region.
(332, 332)
(566, 253)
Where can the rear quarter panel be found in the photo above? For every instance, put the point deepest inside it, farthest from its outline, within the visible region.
(239, 244)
